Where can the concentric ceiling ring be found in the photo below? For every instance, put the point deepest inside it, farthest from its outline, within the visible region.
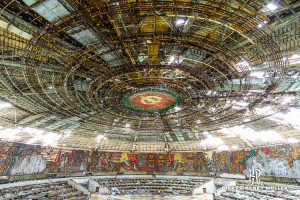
(83, 65)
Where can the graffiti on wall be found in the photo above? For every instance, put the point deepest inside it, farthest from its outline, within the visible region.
(283, 160)
(19, 159)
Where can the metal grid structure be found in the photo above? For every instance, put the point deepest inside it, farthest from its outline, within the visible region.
(67, 64)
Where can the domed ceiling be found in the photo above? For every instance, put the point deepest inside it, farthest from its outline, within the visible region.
(150, 75)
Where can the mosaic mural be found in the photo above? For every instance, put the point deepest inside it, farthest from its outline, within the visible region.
(104, 161)
(68, 161)
(150, 162)
(230, 162)
(195, 162)
(282, 160)
(20, 159)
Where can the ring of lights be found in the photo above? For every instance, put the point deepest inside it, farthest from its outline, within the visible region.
(152, 100)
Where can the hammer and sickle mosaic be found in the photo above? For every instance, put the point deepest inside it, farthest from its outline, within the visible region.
(152, 100)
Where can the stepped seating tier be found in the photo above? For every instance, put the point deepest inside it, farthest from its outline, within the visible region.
(165, 186)
(57, 190)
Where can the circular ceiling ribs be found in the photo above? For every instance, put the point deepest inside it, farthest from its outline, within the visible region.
(83, 62)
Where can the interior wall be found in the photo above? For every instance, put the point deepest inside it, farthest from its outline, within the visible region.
(20, 159)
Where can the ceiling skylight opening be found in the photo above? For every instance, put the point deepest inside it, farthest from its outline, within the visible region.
(260, 25)
(247, 120)
(38, 132)
(172, 58)
(254, 136)
(227, 132)
(10, 131)
(213, 109)
(177, 108)
(257, 74)
(206, 133)
(295, 56)
(101, 137)
(32, 140)
(243, 64)
(268, 136)
(292, 140)
(67, 133)
(212, 141)
(223, 148)
(284, 59)
(10, 134)
(15, 30)
(243, 104)
(295, 59)
(29, 2)
(234, 147)
(209, 92)
(291, 118)
(295, 75)
(180, 22)
(47, 139)
(5, 105)
(271, 6)
(287, 100)
(50, 139)
(267, 110)
(37, 135)
(30, 130)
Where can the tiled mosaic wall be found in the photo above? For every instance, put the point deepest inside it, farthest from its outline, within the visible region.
(20, 159)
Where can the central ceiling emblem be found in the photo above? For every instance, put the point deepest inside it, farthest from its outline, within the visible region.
(151, 100)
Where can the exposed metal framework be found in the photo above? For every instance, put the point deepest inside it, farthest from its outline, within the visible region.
(65, 65)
